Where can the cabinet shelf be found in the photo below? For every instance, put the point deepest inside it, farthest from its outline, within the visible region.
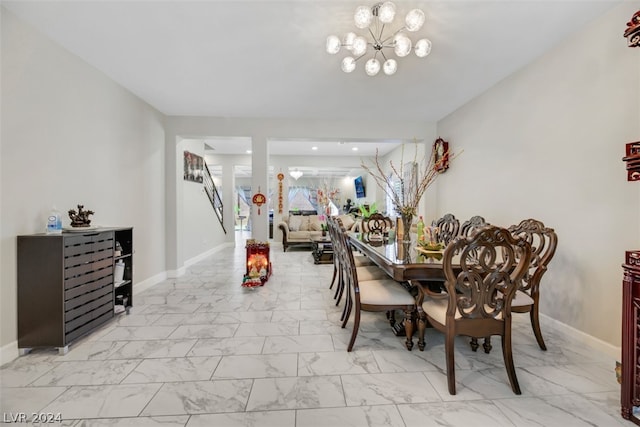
(120, 284)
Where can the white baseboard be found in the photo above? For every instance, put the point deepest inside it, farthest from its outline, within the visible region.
(174, 274)
(208, 253)
(8, 352)
(574, 334)
(149, 283)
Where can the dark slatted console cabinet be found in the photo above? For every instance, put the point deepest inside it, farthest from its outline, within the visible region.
(66, 284)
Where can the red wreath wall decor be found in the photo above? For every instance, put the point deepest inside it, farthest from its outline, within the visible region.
(441, 153)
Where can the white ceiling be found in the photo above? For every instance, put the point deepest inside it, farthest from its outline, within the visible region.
(267, 59)
(301, 147)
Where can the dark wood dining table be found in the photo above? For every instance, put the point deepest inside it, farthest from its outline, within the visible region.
(401, 261)
(406, 263)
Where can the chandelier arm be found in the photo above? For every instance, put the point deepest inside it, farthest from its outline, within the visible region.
(383, 55)
(392, 35)
(375, 40)
(356, 59)
(381, 31)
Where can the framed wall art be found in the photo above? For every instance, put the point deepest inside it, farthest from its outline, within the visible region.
(441, 155)
(193, 167)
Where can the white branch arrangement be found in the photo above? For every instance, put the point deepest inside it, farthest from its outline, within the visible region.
(422, 174)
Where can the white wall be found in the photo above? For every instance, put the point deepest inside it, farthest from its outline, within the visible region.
(202, 230)
(547, 143)
(71, 135)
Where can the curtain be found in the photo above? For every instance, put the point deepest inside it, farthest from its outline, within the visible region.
(300, 194)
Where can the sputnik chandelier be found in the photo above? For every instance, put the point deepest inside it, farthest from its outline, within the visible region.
(375, 20)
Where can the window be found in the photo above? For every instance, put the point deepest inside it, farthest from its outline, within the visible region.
(300, 199)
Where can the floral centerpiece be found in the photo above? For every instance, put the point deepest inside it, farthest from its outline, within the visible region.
(326, 194)
(413, 177)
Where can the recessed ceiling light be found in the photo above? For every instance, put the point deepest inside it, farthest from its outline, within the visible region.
(355, 149)
(249, 151)
(314, 148)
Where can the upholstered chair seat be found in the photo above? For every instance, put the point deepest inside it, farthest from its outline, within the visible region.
(383, 292)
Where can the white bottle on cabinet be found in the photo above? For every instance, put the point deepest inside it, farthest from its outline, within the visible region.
(54, 222)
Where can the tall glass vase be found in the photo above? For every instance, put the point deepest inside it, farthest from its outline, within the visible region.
(407, 219)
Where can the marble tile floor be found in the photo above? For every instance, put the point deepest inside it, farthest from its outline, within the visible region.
(201, 350)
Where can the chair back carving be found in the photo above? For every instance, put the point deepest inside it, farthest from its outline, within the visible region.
(492, 264)
(377, 223)
(471, 225)
(543, 241)
(448, 228)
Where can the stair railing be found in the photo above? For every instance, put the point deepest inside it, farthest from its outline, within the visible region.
(214, 195)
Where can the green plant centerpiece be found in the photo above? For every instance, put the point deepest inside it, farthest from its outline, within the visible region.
(366, 212)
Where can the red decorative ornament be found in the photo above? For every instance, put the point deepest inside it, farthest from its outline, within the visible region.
(259, 199)
(632, 33)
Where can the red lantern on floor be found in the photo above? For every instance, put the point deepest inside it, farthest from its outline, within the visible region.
(258, 264)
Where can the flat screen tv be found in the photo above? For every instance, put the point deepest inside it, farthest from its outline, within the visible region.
(360, 193)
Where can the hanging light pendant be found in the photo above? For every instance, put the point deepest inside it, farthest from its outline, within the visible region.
(376, 20)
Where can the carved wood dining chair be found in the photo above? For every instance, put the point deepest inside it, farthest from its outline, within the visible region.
(448, 228)
(471, 225)
(543, 241)
(467, 228)
(377, 223)
(381, 294)
(479, 293)
(367, 269)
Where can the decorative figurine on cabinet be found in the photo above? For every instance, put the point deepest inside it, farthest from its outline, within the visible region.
(80, 218)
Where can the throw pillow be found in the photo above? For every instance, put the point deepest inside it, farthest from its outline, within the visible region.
(347, 221)
(304, 225)
(295, 222)
(314, 223)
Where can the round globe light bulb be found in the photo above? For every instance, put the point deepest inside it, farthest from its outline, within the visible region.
(372, 67)
(387, 12)
(414, 20)
(423, 48)
(359, 46)
(348, 40)
(402, 45)
(390, 67)
(363, 17)
(333, 44)
(348, 64)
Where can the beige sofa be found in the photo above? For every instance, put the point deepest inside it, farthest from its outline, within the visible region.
(297, 230)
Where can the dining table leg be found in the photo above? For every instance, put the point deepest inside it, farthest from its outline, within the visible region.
(408, 327)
